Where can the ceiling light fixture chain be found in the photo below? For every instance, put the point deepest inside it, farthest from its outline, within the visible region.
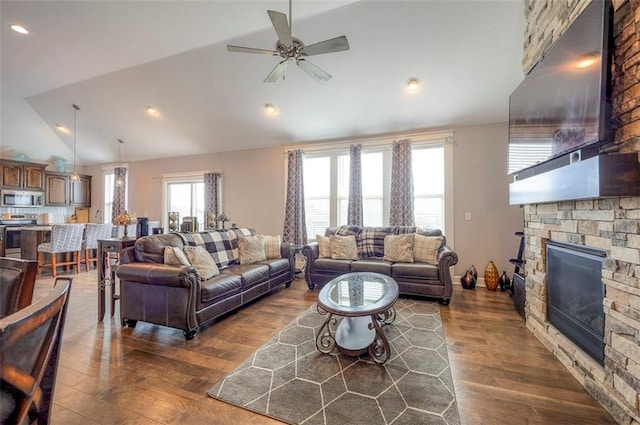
(74, 176)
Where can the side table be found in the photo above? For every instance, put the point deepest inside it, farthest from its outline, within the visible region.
(298, 269)
(106, 247)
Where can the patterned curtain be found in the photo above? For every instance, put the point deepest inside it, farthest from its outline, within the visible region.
(401, 199)
(354, 210)
(119, 192)
(295, 226)
(211, 197)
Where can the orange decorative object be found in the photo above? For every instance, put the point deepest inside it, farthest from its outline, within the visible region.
(491, 277)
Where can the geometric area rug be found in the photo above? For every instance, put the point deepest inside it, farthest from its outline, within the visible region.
(289, 380)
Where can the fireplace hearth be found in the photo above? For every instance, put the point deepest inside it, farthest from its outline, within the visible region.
(575, 293)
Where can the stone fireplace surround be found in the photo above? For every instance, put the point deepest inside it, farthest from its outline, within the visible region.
(610, 224)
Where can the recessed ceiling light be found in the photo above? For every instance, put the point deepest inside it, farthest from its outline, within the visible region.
(61, 128)
(151, 110)
(270, 108)
(413, 84)
(19, 28)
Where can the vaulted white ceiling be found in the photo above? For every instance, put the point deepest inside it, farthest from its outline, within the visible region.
(113, 58)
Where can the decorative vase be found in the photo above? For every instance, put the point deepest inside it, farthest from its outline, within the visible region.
(60, 163)
(504, 282)
(491, 277)
(474, 272)
(467, 281)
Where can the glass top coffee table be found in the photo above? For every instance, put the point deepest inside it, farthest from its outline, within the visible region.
(364, 301)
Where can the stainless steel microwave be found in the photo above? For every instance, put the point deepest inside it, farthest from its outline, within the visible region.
(21, 198)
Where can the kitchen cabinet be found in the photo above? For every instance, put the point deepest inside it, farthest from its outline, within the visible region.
(56, 191)
(80, 193)
(61, 190)
(21, 175)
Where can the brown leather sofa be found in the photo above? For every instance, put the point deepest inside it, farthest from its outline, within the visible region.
(421, 279)
(174, 296)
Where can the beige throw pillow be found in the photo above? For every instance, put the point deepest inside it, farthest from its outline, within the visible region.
(272, 247)
(344, 247)
(251, 249)
(324, 246)
(425, 248)
(398, 248)
(174, 256)
(202, 261)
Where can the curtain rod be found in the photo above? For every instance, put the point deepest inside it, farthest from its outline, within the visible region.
(377, 141)
(186, 174)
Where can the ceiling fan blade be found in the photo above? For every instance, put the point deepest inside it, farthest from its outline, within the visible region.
(276, 73)
(337, 44)
(313, 70)
(241, 49)
(281, 25)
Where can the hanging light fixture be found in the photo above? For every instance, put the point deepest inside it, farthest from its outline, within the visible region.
(119, 181)
(74, 176)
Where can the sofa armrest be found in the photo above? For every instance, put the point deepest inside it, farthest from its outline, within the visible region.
(446, 259)
(158, 274)
(286, 250)
(310, 252)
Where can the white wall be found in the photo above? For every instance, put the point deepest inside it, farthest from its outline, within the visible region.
(254, 192)
(481, 187)
(253, 186)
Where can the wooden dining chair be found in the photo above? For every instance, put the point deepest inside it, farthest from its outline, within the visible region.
(30, 341)
(17, 280)
(67, 239)
(94, 232)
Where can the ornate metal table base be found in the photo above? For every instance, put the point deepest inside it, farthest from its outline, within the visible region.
(356, 335)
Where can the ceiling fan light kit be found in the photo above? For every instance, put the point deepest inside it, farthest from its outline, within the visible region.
(293, 50)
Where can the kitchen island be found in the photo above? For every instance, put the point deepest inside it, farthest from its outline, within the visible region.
(30, 238)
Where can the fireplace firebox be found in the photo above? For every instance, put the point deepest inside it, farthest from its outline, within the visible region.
(575, 293)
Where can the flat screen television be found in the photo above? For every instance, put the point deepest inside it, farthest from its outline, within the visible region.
(564, 103)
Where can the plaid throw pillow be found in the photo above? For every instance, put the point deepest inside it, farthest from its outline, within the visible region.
(372, 240)
(216, 243)
(272, 246)
(425, 248)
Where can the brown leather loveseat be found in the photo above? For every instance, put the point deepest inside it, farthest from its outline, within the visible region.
(175, 296)
(413, 278)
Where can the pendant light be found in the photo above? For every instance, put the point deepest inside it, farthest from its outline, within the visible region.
(119, 181)
(74, 176)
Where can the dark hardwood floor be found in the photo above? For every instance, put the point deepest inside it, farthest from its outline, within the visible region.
(151, 375)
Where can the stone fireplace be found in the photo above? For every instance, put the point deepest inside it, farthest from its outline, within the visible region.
(611, 225)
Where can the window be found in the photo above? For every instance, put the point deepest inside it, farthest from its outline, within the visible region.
(187, 199)
(109, 181)
(428, 186)
(372, 189)
(326, 185)
(317, 192)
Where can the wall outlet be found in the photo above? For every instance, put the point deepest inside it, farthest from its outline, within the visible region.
(467, 216)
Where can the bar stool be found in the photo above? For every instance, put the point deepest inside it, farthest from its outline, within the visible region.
(94, 232)
(65, 238)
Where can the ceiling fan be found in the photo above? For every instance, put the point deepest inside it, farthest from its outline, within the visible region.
(293, 50)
